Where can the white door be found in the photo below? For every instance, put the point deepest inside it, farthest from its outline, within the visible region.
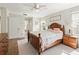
(16, 27)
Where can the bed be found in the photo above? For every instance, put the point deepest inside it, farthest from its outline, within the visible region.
(44, 40)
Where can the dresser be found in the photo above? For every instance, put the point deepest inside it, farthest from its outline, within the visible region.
(70, 41)
(3, 43)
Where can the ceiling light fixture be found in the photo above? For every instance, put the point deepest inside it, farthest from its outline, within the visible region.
(37, 10)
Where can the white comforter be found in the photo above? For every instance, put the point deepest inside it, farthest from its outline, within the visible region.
(49, 37)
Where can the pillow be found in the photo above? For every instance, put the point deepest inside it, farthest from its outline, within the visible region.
(56, 29)
(50, 29)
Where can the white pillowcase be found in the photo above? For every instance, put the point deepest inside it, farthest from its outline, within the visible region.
(50, 29)
(56, 29)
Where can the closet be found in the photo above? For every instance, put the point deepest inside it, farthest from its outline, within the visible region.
(16, 26)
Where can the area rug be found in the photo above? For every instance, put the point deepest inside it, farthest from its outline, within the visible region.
(13, 47)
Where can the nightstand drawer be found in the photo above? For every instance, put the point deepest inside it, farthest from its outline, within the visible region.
(72, 40)
(65, 37)
(73, 45)
(66, 42)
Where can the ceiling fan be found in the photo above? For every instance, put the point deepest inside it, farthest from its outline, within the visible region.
(36, 6)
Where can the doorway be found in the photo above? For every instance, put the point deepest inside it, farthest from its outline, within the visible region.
(28, 25)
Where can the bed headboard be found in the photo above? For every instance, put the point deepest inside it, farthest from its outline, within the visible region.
(56, 25)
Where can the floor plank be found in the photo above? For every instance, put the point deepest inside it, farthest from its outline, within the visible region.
(13, 47)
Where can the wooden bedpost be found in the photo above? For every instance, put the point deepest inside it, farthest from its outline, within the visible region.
(40, 50)
(63, 29)
(28, 35)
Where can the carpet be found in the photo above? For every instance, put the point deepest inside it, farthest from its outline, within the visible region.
(13, 47)
(26, 48)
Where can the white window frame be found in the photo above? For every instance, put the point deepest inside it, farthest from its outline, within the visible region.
(75, 23)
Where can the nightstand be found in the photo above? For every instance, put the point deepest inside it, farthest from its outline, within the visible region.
(70, 41)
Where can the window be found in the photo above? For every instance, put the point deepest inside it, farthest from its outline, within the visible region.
(75, 23)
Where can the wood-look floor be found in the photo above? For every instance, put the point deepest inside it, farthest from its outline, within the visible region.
(13, 47)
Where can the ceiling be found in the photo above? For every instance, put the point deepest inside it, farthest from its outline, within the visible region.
(25, 8)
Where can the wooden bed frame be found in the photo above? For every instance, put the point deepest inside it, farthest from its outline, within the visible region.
(36, 41)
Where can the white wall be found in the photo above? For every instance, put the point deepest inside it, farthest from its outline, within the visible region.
(66, 17)
(3, 17)
(3, 20)
(28, 23)
(36, 24)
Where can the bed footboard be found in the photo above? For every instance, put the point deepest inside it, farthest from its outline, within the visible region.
(35, 41)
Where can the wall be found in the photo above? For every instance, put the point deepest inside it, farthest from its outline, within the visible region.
(43, 24)
(3, 20)
(36, 24)
(28, 23)
(66, 17)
